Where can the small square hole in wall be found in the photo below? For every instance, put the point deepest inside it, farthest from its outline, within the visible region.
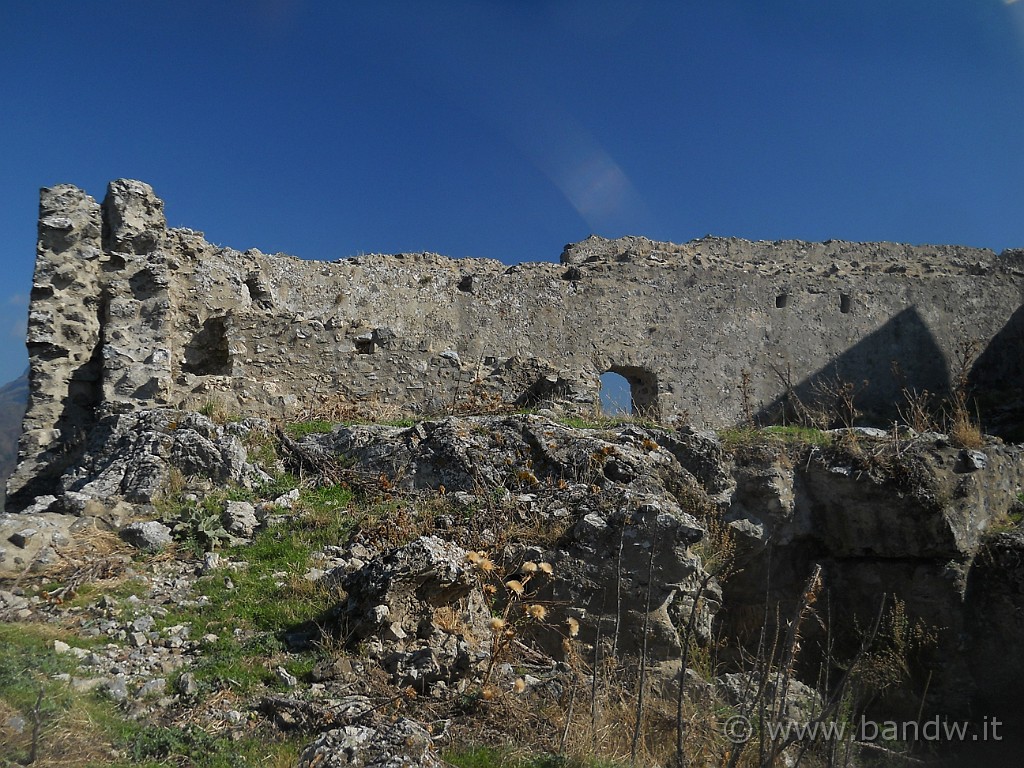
(208, 351)
(781, 300)
(845, 303)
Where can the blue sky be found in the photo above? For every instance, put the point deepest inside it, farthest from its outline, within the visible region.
(507, 129)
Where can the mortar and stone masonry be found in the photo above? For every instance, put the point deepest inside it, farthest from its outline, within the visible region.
(126, 313)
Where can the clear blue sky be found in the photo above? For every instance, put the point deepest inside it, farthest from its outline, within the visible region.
(507, 129)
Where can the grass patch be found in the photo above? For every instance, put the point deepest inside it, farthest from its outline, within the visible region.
(600, 421)
(300, 429)
(278, 486)
(261, 450)
(28, 664)
(799, 435)
(65, 728)
(403, 421)
(119, 591)
(249, 608)
(195, 747)
(743, 437)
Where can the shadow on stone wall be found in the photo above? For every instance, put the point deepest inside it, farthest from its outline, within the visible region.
(997, 377)
(868, 366)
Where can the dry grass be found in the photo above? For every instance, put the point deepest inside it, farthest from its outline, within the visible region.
(964, 430)
(588, 719)
(336, 408)
(74, 738)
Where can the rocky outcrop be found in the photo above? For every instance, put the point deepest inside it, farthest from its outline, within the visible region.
(616, 496)
(401, 743)
(125, 465)
(886, 516)
(886, 520)
(126, 313)
(132, 456)
(605, 537)
(420, 613)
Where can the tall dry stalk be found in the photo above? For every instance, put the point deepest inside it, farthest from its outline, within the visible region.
(964, 430)
(643, 654)
(684, 662)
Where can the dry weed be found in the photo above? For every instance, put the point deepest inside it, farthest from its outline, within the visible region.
(337, 408)
(964, 429)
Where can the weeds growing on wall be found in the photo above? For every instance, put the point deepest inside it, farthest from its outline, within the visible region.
(834, 403)
(961, 417)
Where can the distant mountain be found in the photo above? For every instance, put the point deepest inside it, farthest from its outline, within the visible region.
(13, 399)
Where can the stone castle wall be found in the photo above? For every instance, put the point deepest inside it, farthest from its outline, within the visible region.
(126, 312)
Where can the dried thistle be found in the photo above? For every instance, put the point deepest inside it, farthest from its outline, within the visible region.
(515, 586)
(537, 612)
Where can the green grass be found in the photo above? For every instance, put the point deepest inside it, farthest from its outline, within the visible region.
(740, 437)
(300, 429)
(267, 596)
(262, 450)
(88, 593)
(279, 485)
(28, 664)
(402, 421)
(196, 747)
(600, 421)
(799, 435)
(85, 729)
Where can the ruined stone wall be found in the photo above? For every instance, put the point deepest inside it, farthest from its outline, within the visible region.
(126, 312)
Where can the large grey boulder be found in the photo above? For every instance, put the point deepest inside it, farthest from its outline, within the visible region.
(627, 568)
(131, 456)
(240, 519)
(150, 536)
